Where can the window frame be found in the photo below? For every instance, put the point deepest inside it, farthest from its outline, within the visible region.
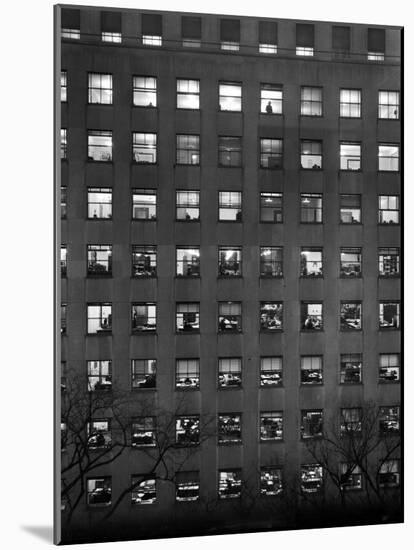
(187, 94)
(350, 103)
(196, 266)
(197, 318)
(101, 319)
(238, 205)
(100, 134)
(221, 317)
(346, 327)
(140, 250)
(389, 327)
(276, 265)
(397, 367)
(304, 250)
(383, 254)
(350, 359)
(266, 157)
(389, 210)
(388, 105)
(303, 360)
(139, 328)
(379, 157)
(342, 264)
(350, 158)
(187, 205)
(276, 212)
(316, 209)
(239, 261)
(312, 102)
(279, 318)
(145, 146)
(141, 90)
(183, 147)
(147, 371)
(231, 440)
(100, 90)
(279, 382)
(224, 150)
(321, 320)
(234, 375)
(233, 84)
(195, 373)
(276, 418)
(136, 191)
(302, 155)
(98, 191)
(99, 248)
(99, 385)
(279, 102)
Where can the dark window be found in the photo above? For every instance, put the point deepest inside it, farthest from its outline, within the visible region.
(144, 260)
(311, 478)
(388, 157)
(271, 261)
(151, 29)
(271, 316)
(311, 369)
(63, 202)
(99, 375)
(230, 151)
(310, 101)
(143, 373)
(271, 481)
(191, 31)
(351, 262)
(111, 26)
(388, 209)
(144, 489)
(350, 156)
(389, 367)
(143, 432)
(63, 86)
(99, 259)
(271, 207)
(63, 143)
(188, 205)
(63, 308)
(100, 88)
(187, 373)
(99, 434)
(351, 315)
(350, 103)
(229, 317)
(271, 153)
(100, 145)
(70, 23)
(188, 149)
(310, 208)
(99, 318)
(230, 96)
(144, 317)
(376, 44)
(144, 91)
(144, 204)
(271, 371)
(188, 262)
(351, 477)
(187, 486)
(389, 473)
(350, 421)
(230, 484)
(341, 39)
(188, 94)
(230, 372)
(310, 154)
(271, 99)
(187, 430)
(271, 426)
(305, 39)
(230, 261)
(389, 420)
(311, 264)
(311, 424)
(311, 316)
(187, 317)
(388, 104)
(351, 368)
(350, 208)
(144, 148)
(389, 315)
(63, 260)
(63, 436)
(99, 491)
(229, 428)
(267, 37)
(389, 262)
(230, 34)
(99, 203)
(230, 206)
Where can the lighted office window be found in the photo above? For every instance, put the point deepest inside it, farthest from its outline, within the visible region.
(143, 432)
(230, 484)
(311, 264)
(271, 261)
(310, 101)
(63, 260)
(115, 37)
(144, 148)
(388, 209)
(350, 156)
(310, 154)
(143, 373)
(389, 420)
(73, 34)
(351, 477)
(229, 428)
(271, 207)
(188, 205)
(111, 25)
(271, 372)
(188, 262)
(144, 317)
(187, 317)
(351, 368)
(389, 262)
(389, 367)
(271, 316)
(350, 103)
(187, 373)
(271, 426)
(100, 145)
(268, 37)
(310, 208)
(187, 486)
(99, 375)
(230, 96)
(187, 430)
(311, 371)
(100, 88)
(70, 23)
(389, 315)
(271, 153)
(351, 262)
(271, 99)
(144, 204)
(311, 316)
(188, 94)
(271, 481)
(389, 473)
(144, 260)
(388, 158)
(376, 44)
(144, 490)
(99, 491)
(63, 143)
(230, 206)
(144, 90)
(151, 40)
(350, 421)
(351, 316)
(305, 51)
(311, 478)
(99, 203)
(188, 149)
(63, 308)
(230, 261)
(99, 434)
(388, 105)
(230, 372)
(99, 318)
(305, 39)
(229, 317)
(151, 28)
(230, 151)
(311, 423)
(99, 259)
(350, 208)
(63, 202)
(63, 86)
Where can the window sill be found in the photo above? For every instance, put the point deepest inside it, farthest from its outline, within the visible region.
(311, 277)
(229, 276)
(188, 221)
(390, 329)
(350, 223)
(388, 171)
(229, 388)
(143, 276)
(396, 276)
(149, 107)
(187, 332)
(267, 441)
(100, 104)
(271, 169)
(303, 169)
(386, 382)
(229, 443)
(187, 277)
(270, 222)
(239, 166)
(270, 331)
(350, 383)
(271, 114)
(389, 224)
(346, 277)
(191, 164)
(99, 219)
(350, 118)
(146, 220)
(311, 384)
(341, 170)
(310, 330)
(189, 389)
(99, 275)
(229, 332)
(136, 163)
(134, 389)
(271, 276)
(100, 334)
(312, 116)
(229, 221)
(342, 329)
(93, 161)
(270, 386)
(188, 109)
(142, 332)
(240, 112)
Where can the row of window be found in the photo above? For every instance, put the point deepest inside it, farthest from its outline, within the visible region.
(187, 316)
(145, 94)
(230, 483)
(187, 206)
(229, 35)
(229, 372)
(144, 261)
(145, 151)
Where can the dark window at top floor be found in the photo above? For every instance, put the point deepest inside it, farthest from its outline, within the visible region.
(111, 30)
(341, 39)
(70, 23)
(230, 34)
(267, 37)
(305, 39)
(151, 29)
(376, 44)
(191, 31)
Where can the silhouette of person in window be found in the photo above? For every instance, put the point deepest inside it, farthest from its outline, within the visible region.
(269, 108)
